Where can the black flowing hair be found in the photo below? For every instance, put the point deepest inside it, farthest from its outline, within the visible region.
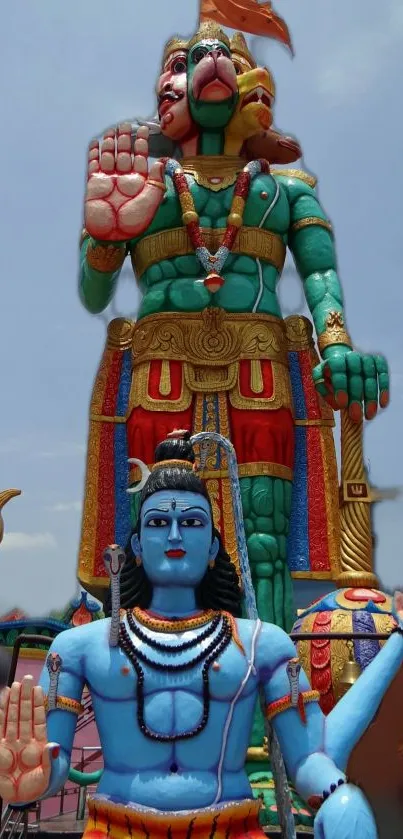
(219, 589)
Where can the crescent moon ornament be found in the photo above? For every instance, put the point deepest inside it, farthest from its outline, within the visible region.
(145, 474)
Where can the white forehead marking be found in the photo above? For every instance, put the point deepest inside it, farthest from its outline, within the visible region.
(165, 505)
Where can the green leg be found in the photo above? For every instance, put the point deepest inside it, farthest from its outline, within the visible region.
(266, 507)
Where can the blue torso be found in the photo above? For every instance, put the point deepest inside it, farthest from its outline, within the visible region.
(197, 771)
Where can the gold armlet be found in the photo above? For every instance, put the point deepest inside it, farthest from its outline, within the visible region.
(84, 235)
(285, 702)
(334, 333)
(106, 258)
(64, 703)
(312, 221)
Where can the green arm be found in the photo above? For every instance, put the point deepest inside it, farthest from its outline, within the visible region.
(311, 243)
(346, 378)
(97, 287)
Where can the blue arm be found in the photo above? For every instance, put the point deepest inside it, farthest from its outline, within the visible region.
(316, 749)
(61, 724)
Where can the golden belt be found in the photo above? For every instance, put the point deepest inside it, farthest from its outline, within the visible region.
(167, 244)
(212, 338)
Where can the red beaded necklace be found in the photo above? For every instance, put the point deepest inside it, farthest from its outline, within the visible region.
(213, 264)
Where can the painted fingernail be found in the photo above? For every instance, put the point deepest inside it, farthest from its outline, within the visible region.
(384, 398)
(342, 399)
(55, 751)
(355, 411)
(371, 410)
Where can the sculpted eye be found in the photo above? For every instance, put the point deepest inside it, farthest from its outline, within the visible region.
(199, 54)
(192, 523)
(238, 68)
(157, 523)
(179, 65)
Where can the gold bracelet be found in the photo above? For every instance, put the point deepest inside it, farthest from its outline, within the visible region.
(158, 184)
(311, 221)
(334, 333)
(106, 258)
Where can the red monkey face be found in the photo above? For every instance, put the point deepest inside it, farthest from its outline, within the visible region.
(173, 108)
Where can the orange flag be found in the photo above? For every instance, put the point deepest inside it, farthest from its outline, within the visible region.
(246, 16)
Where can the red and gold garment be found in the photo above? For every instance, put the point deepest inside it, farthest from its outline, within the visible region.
(231, 820)
(245, 376)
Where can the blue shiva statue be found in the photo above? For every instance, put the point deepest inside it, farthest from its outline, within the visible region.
(174, 678)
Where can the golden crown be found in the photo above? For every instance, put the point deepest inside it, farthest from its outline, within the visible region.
(174, 45)
(239, 48)
(208, 31)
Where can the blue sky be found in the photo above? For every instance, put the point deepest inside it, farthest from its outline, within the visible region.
(70, 70)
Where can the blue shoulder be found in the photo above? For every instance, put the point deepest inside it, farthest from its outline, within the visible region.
(274, 649)
(74, 644)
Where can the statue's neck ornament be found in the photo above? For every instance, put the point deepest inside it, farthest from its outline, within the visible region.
(206, 656)
(213, 264)
(160, 624)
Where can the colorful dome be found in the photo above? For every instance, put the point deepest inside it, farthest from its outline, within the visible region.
(348, 610)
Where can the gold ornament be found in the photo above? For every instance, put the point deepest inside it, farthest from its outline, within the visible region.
(334, 332)
(356, 549)
(311, 221)
(299, 174)
(162, 625)
(213, 172)
(174, 45)
(240, 51)
(105, 258)
(6, 496)
(168, 244)
(209, 31)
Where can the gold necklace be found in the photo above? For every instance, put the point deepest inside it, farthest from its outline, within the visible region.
(213, 172)
(182, 625)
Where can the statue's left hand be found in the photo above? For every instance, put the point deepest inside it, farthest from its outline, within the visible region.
(353, 380)
(346, 814)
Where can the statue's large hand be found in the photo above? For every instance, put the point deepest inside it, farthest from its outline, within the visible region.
(349, 379)
(25, 754)
(123, 196)
(345, 815)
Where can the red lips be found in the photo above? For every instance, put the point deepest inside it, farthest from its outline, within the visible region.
(178, 554)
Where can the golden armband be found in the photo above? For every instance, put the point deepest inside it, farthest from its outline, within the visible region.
(334, 333)
(106, 258)
(311, 221)
(64, 703)
(285, 702)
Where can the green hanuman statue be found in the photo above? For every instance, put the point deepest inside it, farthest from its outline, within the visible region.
(207, 230)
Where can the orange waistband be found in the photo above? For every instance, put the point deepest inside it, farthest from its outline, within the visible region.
(230, 820)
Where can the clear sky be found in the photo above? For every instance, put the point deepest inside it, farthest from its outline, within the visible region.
(70, 70)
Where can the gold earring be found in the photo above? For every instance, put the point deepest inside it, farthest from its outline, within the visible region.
(212, 563)
(138, 561)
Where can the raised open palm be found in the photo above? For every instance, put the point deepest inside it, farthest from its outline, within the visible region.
(123, 194)
(25, 754)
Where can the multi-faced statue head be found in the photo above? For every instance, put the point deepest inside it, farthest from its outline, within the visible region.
(212, 83)
(197, 89)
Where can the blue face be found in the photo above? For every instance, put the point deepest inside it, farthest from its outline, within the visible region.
(175, 543)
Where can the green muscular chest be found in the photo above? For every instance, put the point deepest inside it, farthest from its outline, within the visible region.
(171, 277)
